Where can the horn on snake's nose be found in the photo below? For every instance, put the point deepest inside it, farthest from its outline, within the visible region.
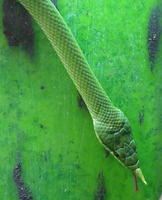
(138, 173)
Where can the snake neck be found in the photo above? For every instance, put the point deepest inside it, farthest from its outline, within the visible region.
(65, 45)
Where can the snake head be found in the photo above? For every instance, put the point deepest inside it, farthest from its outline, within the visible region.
(120, 143)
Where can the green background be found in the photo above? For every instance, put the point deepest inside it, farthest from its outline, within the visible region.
(52, 136)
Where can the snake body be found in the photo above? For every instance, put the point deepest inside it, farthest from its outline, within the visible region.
(111, 126)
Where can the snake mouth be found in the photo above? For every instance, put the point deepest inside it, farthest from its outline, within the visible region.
(138, 173)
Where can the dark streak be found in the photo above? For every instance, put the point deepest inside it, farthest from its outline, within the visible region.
(23, 191)
(100, 193)
(41, 126)
(154, 32)
(81, 102)
(107, 153)
(18, 26)
(141, 116)
(42, 87)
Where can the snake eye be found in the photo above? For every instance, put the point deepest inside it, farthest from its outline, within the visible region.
(120, 153)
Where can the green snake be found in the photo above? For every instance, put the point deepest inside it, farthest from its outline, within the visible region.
(111, 126)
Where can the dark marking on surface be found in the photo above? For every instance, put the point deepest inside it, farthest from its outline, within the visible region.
(81, 102)
(154, 32)
(107, 153)
(77, 166)
(100, 193)
(41, 126)
(23, 191)
(141, 116)
(18, 26)
(42, 87)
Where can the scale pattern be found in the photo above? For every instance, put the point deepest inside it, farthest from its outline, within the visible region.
(111, 126)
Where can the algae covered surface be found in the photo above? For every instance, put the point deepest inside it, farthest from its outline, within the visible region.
(48, 146)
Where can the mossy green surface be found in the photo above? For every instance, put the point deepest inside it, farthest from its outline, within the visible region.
(42, 126)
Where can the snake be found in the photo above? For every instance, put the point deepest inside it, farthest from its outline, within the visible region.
(111, 126)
